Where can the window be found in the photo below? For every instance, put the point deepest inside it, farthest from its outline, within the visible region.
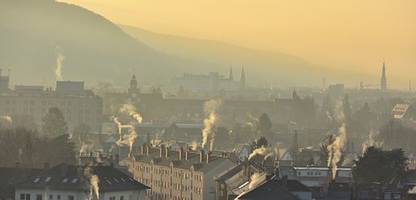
(38, 197)
(112, 198)
(70, 197)
(22, 196)
(58, 197)
(121, 197)
(27, 196)
(50, 196)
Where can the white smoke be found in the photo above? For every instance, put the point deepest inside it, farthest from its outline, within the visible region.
(6, 122)
(131, 137)
(59, 64)
(263, 151)
(208, 135)
(194, 146)
(94, 181)
(255, 180)
(335, 148)
(371, 141)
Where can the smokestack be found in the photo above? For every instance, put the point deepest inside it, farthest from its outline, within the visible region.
(180, 153)
(142, 150)
(166, 152)
(147, 149)
(201, 156)
(186, 154)
(161, 151)
(208, 156)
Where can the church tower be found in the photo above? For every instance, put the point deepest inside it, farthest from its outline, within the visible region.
(243, 78)
(383, 81)
(231, 76)
(133, 85)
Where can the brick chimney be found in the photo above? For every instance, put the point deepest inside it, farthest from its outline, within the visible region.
(166, 152)
(147, 149)
(161, 151)
(186, 154)
(180, 152)
(208, 157)
(201, 156)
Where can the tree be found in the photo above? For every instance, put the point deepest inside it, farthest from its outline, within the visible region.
(54, 123)
(381, 166)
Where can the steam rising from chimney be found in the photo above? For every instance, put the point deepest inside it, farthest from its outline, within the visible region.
(263, 151)
(94, 183)
(371, 141)
(59, 64)
(255, 180)
(337, 145)
(6, 121)
(129, 139)
(208, 135)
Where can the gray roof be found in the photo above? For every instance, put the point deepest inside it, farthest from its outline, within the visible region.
(71, 177)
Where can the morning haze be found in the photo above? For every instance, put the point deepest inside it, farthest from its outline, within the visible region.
(349, 35)
(207, 100)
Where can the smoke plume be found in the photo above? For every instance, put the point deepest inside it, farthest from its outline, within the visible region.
(263, 151)
(94, 181)
(131, 137)
(59, 64)
(335, 150)
(370, 141)
(6, 122)
(208, 135)
(255, 180)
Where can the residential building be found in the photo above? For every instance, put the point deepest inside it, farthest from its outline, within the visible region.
(70, 182)
(178, 174)
(28, 105)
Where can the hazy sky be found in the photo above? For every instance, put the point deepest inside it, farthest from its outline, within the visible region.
(349, 34)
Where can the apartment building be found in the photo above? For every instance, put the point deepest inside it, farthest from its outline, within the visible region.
(178, 174)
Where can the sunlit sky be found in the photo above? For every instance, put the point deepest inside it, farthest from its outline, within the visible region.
(352, 35)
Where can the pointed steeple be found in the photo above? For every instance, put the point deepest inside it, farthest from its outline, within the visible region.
(243, 78)
(231, 76)
(383, 81)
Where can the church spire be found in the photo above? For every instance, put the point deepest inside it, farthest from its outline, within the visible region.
(383, 81)
(231, 76)
(243, 78)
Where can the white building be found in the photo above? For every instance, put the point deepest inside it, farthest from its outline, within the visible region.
(28, 105)
(69, 182)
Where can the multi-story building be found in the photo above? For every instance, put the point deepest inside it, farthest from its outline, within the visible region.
(28, 105)
(69, 182)
(178, 175)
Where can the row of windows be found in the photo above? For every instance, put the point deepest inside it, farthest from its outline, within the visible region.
(26, 196)
(161, 171)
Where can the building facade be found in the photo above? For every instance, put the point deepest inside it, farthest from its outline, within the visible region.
(178, 175)
(28, 105)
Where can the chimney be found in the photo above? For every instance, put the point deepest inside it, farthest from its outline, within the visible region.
(142, 150)
(180, 152)
(201, 156)
(186, 155)
(161, 151)
(208, 157)
(166, 152)
(147, 149)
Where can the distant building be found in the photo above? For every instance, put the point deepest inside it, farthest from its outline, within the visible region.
(383, 80)
(211, 82)
(181, 174)
(69, 182)
(28, 105)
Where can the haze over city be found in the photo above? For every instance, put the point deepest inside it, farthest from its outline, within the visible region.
(207, 100)
(348, 35)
